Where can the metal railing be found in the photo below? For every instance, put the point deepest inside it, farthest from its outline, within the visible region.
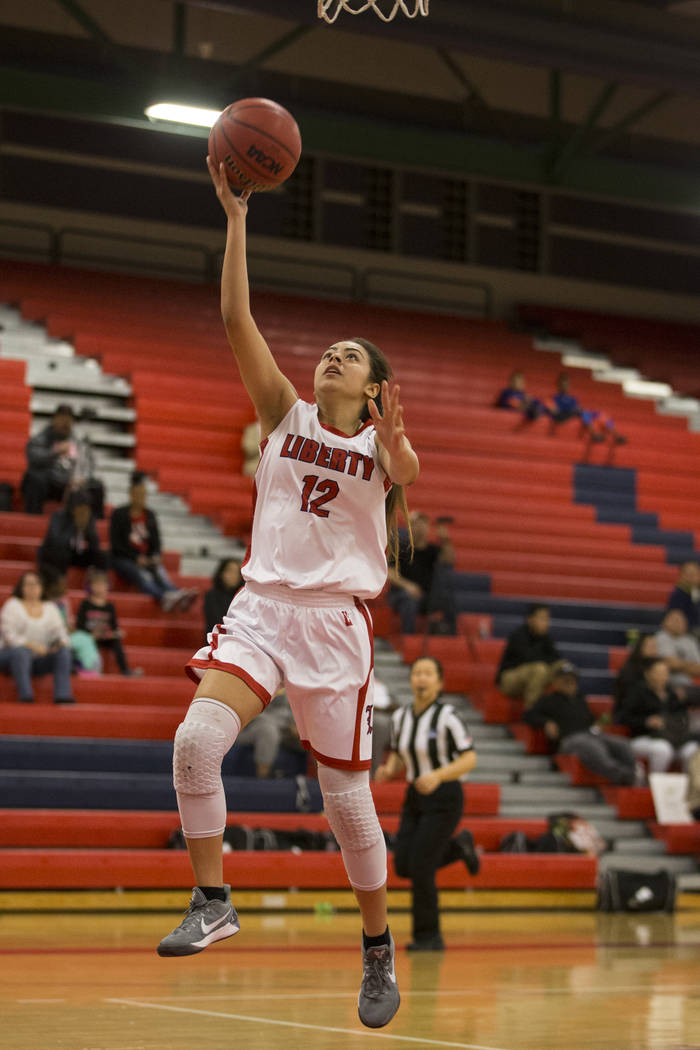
(390, 286)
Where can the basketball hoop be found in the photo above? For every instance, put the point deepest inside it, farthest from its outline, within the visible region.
(329, 10)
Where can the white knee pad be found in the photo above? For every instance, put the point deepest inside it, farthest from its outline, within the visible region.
(201, 741)
(349, 807)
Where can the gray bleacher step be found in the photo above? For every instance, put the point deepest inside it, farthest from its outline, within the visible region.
(643, 846)
(534, 810)
(486, 745)
(45, 404)
(18, 345)
(524, 764)
(80, 375)
(640, 862)
(540, 778)
(557, 797)
(614, 830)
(689, 882)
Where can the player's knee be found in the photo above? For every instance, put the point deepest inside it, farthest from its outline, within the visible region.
(201, 741)
(349, 807)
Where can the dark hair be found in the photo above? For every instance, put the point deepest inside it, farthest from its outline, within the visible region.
(635, 658)
(379, 370)
(17, 592)
(79, 498)
(217, 578)
(535, 607)
(649, 661)
(138, 477)
(53, 582)
(64, 409)
(434, 660)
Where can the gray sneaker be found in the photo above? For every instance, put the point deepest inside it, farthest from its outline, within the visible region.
(379, 993)
(204, 922)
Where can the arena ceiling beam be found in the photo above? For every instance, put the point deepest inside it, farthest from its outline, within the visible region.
(625, 41)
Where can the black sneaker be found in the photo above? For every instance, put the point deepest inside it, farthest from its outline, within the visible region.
(379, 993)
(467, 851)
(204, 922)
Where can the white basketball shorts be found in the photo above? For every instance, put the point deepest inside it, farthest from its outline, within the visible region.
(320, 647)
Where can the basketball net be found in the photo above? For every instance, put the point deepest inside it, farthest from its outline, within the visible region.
(329, 10)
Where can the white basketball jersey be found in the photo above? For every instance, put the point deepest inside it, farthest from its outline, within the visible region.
(318, 520)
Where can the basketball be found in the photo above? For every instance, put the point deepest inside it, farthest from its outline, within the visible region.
(258, 141)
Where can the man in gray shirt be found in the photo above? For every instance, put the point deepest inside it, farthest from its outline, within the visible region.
(681, 651)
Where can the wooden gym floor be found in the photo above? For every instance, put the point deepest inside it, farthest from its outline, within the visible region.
(508, 981)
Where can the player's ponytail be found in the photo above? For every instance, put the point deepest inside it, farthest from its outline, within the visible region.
(379, 370)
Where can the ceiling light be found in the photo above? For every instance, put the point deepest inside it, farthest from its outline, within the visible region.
(176, 114)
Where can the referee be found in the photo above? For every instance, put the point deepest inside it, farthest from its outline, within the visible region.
(434, 747)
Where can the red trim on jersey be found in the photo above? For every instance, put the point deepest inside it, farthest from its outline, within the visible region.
(388, 483)
(218, 665)
(341, 433)
(364, 612)
(336, 763)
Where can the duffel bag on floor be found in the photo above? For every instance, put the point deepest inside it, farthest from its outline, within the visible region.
(620, 890)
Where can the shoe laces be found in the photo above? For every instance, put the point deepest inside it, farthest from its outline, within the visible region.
(376, 977)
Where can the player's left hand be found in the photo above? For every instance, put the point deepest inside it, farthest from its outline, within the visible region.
(389, 425)
(427, 783)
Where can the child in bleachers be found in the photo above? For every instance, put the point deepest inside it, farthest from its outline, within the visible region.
(596, 425)
(97, 617)
(515, 398)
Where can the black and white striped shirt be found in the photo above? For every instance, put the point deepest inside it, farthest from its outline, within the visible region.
(430, 740)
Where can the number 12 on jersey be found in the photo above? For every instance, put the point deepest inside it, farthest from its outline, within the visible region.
(327, 490)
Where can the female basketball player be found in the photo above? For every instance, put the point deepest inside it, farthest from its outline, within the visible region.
(318, 548)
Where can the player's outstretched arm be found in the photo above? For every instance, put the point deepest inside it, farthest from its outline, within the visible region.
(269, 389)
(395, 453)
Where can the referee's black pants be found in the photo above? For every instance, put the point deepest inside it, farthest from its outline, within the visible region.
(424, 844)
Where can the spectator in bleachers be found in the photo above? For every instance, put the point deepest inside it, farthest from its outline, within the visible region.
(658, 720)
(421, 581)
(34, 641)
(86, 656)
(52, 455)
(71, 538)
(681, 651)
(632, 671)
(226, 583)
(272, 729)
(97, 617)
(136, 550)
(595, 424)
(433, 746)
(569, 725)
(515, 398)
(686, 594)
(530, 659)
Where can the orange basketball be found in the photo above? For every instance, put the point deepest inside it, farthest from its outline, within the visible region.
(258, 141)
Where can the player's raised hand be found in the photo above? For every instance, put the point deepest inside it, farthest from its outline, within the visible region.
(235, 207)
(395, 453)
(389, 423)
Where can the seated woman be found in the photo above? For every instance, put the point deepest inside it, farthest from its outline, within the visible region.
(71, 538)
(34, 641)
(515, 398)
(595, 424)
(657, 720)
(225, 585)
(631, 674)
